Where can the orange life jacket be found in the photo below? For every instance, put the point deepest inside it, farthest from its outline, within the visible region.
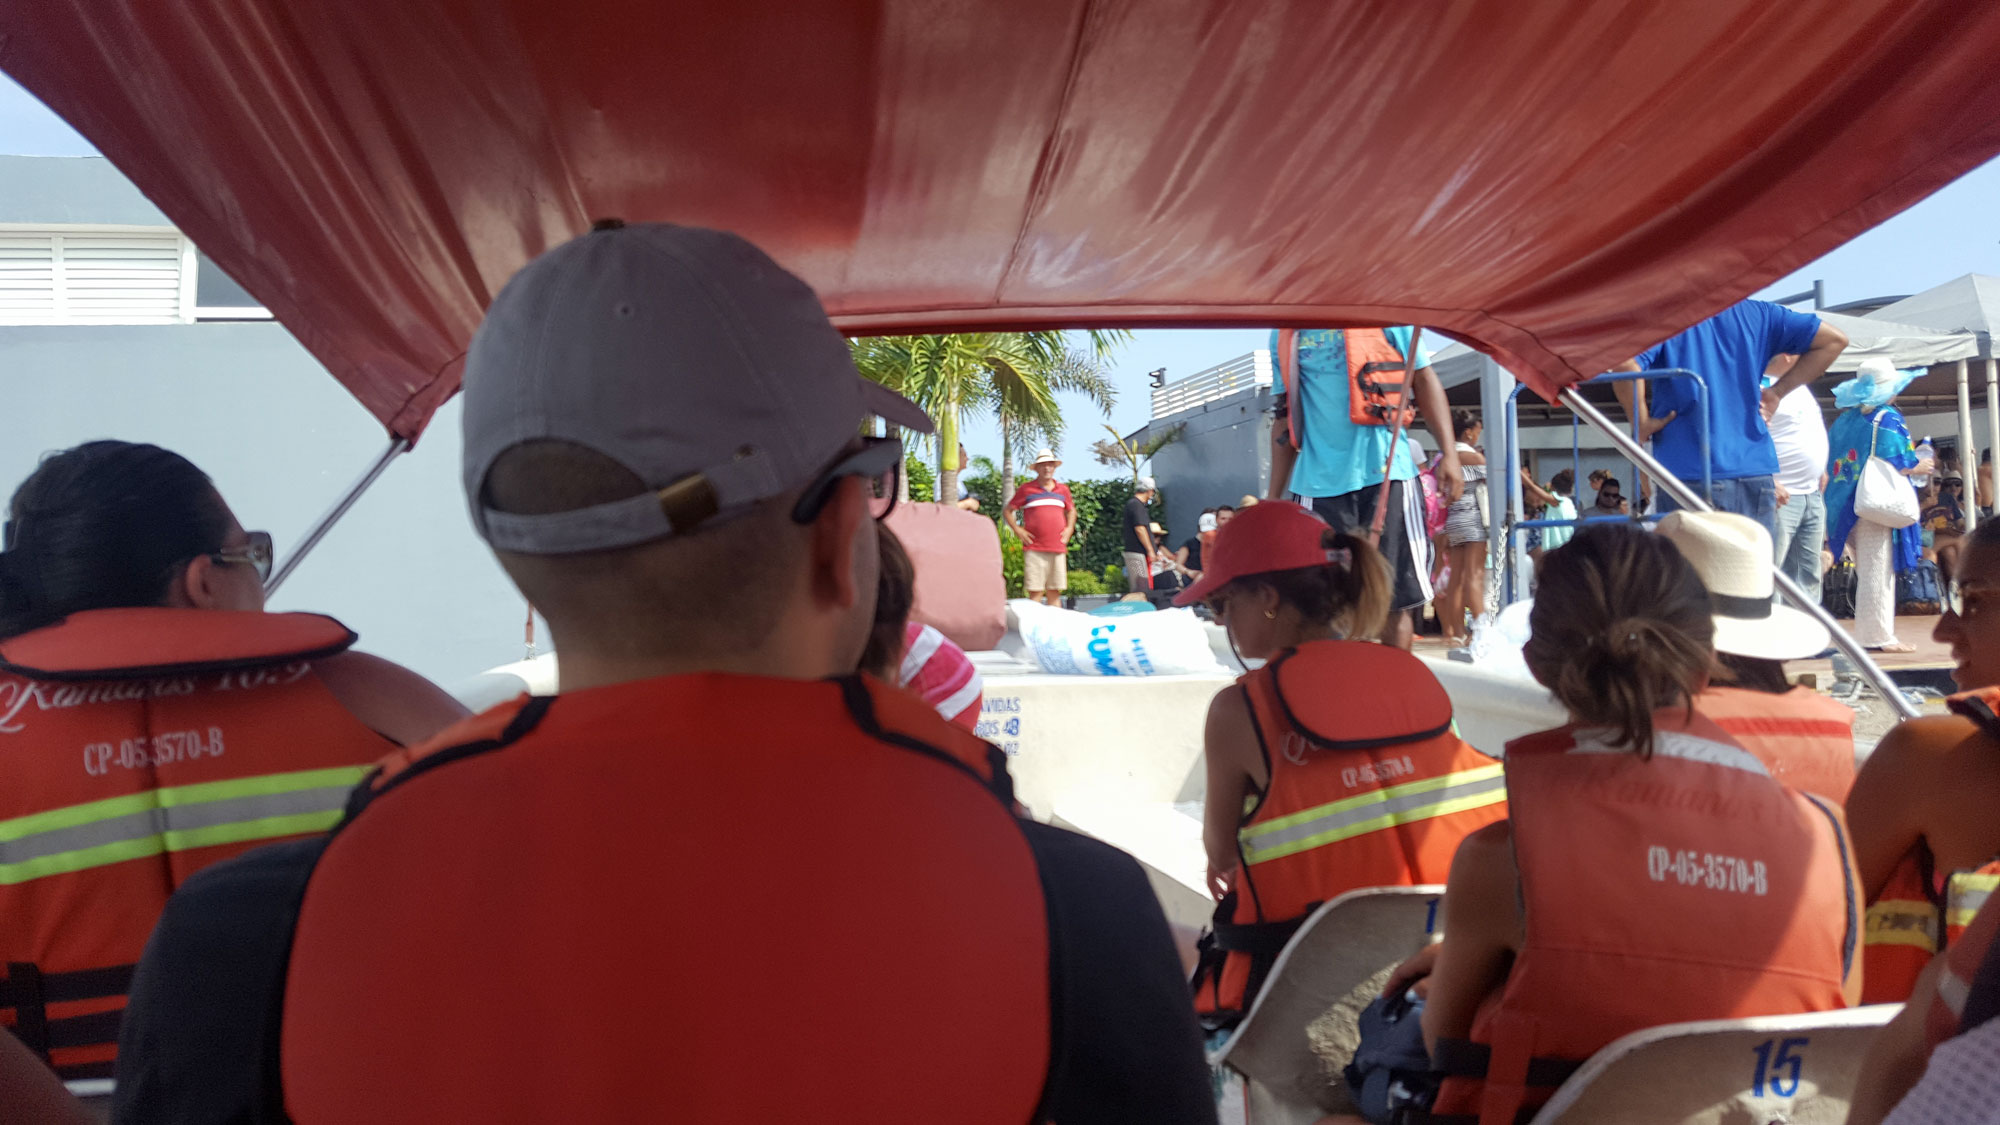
(1962, 958)
(142, 745)
(1370, 786)
(1805, 739)
(1379, 379)
(810, 879)
(1681, 887)
(1916, 908)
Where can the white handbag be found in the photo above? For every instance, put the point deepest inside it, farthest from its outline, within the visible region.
(1884, 496)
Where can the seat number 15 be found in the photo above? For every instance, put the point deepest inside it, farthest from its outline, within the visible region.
(1778, 1067)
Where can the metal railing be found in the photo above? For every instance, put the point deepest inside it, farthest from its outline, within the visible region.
(1515, 504)
(1219, 382)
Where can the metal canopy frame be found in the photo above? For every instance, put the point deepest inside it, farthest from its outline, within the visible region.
(1687, 498)
(397, 447)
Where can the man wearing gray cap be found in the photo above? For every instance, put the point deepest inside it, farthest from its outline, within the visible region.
(720, 876)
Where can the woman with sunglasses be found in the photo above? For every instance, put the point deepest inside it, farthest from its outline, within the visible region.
(1925, 837)
(1927, 843)
(153, 721)
(1335, 765)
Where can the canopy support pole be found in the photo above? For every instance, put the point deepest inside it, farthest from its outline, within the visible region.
(1968, 459)
(397, 447)
(1965, 433)
(1691, 500)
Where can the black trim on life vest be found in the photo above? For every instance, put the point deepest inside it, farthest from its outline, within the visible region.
(861, 707)
(1852, 943)
(1464, 1058)
(29, 991)
(1979, 711)
(1276, 668)
(528, 718)
(1243, 876)
(77, 1072)
(1258, 939)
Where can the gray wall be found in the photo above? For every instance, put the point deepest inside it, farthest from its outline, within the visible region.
(1224, 453)
(282, 440)
(71, 189)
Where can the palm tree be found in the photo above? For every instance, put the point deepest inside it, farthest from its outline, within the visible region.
(1014, 374)
(1133, 455)
(1077, 370)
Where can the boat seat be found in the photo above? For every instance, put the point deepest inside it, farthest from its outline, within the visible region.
(1341, 946)
(1796, 1069)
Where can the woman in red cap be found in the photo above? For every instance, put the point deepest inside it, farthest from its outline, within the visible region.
(1331, 768)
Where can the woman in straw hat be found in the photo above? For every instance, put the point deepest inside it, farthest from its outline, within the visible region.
(1869, 420)
(1805, 739)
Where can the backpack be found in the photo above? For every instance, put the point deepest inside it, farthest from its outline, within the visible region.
(1918, 590)
(1837, 590)
(1435, 509)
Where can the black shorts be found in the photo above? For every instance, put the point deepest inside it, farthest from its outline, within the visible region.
(1354, 513)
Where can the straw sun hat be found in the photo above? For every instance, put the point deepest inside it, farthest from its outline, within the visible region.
(1732, 554)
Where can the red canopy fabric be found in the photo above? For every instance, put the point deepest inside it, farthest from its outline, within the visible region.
(1559, 182)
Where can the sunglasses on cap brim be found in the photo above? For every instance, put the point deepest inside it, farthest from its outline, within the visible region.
(879, 462)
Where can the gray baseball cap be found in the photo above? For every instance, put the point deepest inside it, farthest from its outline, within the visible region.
(686, 355)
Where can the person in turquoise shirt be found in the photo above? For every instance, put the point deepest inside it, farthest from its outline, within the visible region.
(1338, 465)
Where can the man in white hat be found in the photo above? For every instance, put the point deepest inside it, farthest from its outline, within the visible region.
(1803, 738)
(1043, 516)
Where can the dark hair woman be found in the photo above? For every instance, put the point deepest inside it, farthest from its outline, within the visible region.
(1309, 755)
(132, 638)
(1651, 870)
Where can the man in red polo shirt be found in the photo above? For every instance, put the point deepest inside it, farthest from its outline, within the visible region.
(1045, 507)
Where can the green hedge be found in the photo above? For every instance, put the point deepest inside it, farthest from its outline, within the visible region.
(923, 480)
(1099, 546)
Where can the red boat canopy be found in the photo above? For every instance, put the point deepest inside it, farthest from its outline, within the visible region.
(1560, 182)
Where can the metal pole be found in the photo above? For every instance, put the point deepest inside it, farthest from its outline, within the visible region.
(397, 447)
(1965, 433)
(1691, 500)
(1968, 459)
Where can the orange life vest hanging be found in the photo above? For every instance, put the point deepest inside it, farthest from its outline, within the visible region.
(818, 876)
(1916, 908)
(140, 746)
(1379, 379)
(1688, 886)
(1359, 743)
(1805, 739)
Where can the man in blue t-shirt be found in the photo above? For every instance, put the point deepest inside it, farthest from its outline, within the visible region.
(1338, 464)
(1730, 351)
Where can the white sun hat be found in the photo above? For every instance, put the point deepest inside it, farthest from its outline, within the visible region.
(1732, 554)
(1043, 456)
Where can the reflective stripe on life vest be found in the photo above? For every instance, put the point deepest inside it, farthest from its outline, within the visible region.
(1372, 812)
(1965, 893)
(182, 818)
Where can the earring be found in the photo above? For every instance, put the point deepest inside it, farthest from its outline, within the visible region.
(1271, 613)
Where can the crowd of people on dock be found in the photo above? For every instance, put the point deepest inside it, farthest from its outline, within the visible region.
(254, 875)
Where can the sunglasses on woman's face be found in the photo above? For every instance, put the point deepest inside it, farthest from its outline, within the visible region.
(255, 551)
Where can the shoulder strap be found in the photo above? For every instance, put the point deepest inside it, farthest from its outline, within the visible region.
(1979, 707)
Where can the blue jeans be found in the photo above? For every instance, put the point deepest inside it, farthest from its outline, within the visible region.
(1756, 497)
(1801, 536)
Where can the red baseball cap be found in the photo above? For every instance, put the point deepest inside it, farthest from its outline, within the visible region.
(1274, 535)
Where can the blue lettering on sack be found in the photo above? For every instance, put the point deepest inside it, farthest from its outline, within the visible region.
(1000, 703)
(1100, 650)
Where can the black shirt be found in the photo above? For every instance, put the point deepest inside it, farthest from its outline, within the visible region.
(1136, 516)
(1193, 547)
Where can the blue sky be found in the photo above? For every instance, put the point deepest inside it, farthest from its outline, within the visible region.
(1954, 232)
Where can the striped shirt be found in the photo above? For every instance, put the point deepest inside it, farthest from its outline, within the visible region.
(938, 672)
